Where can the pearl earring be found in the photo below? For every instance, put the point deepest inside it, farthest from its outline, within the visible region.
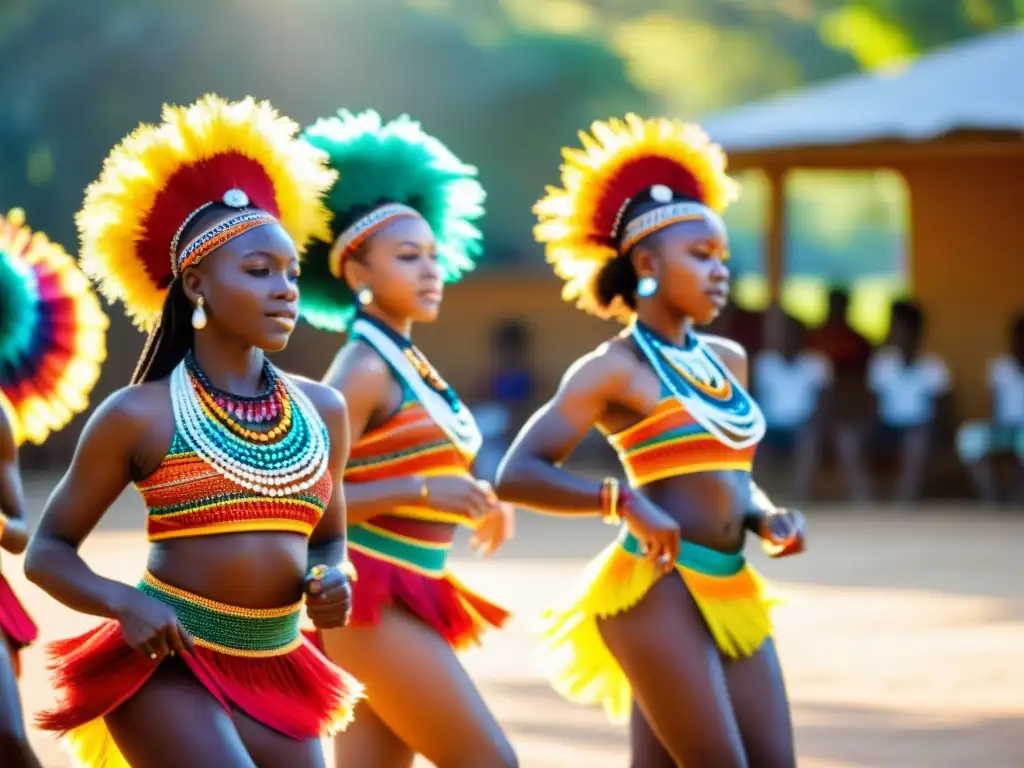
(364, 295)
(199, 314)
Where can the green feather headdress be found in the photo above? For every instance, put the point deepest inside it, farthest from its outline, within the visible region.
(378, 163)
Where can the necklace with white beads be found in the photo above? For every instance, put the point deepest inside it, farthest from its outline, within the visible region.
(283, 467)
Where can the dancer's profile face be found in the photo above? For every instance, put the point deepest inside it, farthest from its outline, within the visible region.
(688, 261)
(249, 286)
(399, 264)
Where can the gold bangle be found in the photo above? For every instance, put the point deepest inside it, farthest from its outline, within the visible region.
(610, 501)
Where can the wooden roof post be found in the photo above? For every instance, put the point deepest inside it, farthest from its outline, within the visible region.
(775, 258)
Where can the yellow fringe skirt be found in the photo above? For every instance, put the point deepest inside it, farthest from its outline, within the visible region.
(732, 597)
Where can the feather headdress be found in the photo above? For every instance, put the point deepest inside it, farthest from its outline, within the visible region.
(242, 153)
(580, 223)
(52, 332)
(386, 170)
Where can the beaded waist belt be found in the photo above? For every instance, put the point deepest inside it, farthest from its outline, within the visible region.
(228, 629)
(694, 557)
(426, 557)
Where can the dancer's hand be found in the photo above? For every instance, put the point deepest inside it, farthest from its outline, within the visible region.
(782, 532)
(658, 532)
(460, 495)
(151, 627)
(494, 528)
(328, 597)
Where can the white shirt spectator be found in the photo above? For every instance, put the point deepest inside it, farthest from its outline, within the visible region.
(906, 393)
(1006, 382)
(788, 391)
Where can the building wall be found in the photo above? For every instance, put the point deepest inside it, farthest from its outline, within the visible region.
(967, 261)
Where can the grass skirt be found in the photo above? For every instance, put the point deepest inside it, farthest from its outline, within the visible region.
(253, 660)
(732, 598)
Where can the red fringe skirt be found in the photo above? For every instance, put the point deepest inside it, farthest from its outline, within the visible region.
(402, 571)
(454, 611)
(290, 687)
(16, 625)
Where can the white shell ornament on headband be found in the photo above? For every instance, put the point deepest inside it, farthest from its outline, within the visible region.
(235, 198)
(661, 194)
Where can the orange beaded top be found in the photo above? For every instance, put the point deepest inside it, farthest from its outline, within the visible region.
(185, 496)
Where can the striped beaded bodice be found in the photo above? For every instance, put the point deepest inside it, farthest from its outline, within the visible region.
(408, 443)
(185, 496)
(670, 442)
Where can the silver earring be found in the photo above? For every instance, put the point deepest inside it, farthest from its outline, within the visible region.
(199, 314)
(364, 295)
(646, 287)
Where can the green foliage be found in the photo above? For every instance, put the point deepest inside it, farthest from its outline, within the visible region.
(504, 83)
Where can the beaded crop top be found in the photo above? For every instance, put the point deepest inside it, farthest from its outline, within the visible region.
(705, 421)
(671, 442)
(186, 497)
(408, 443)
(227, 472)
(431, 433)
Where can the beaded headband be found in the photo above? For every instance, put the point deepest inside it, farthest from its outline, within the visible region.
(362, 229)
(219, 234)
(665, 216)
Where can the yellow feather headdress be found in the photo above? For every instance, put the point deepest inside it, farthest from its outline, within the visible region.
(619, 159)
(158, 176)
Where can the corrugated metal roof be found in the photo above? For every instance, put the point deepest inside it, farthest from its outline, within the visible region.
(976, 85)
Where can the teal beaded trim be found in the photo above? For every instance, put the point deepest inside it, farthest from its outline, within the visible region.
(426, 558)
(695, 557)
(228, 629)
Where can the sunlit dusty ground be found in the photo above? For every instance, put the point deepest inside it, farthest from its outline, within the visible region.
(903, 640)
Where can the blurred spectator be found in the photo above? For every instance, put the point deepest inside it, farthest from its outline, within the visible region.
(908, 385)
(846, 349)
(508, 393)
(976, 441)
(789, 381)
(848, 352)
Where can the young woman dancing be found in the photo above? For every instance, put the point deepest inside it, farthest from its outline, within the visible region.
(670, 614)
(403, 209)
(52, 341)
(194, 225)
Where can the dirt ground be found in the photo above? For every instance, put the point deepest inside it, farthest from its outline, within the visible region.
(902, 641)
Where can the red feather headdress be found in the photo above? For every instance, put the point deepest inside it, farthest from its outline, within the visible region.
(242, 153)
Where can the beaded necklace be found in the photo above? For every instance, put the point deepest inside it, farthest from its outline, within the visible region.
(282, 461)
(437, 397)
(252, 409)
(704, 386)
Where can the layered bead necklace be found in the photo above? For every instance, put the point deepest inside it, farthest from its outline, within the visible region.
(704, 386)
(435, 394)
(280, 461)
